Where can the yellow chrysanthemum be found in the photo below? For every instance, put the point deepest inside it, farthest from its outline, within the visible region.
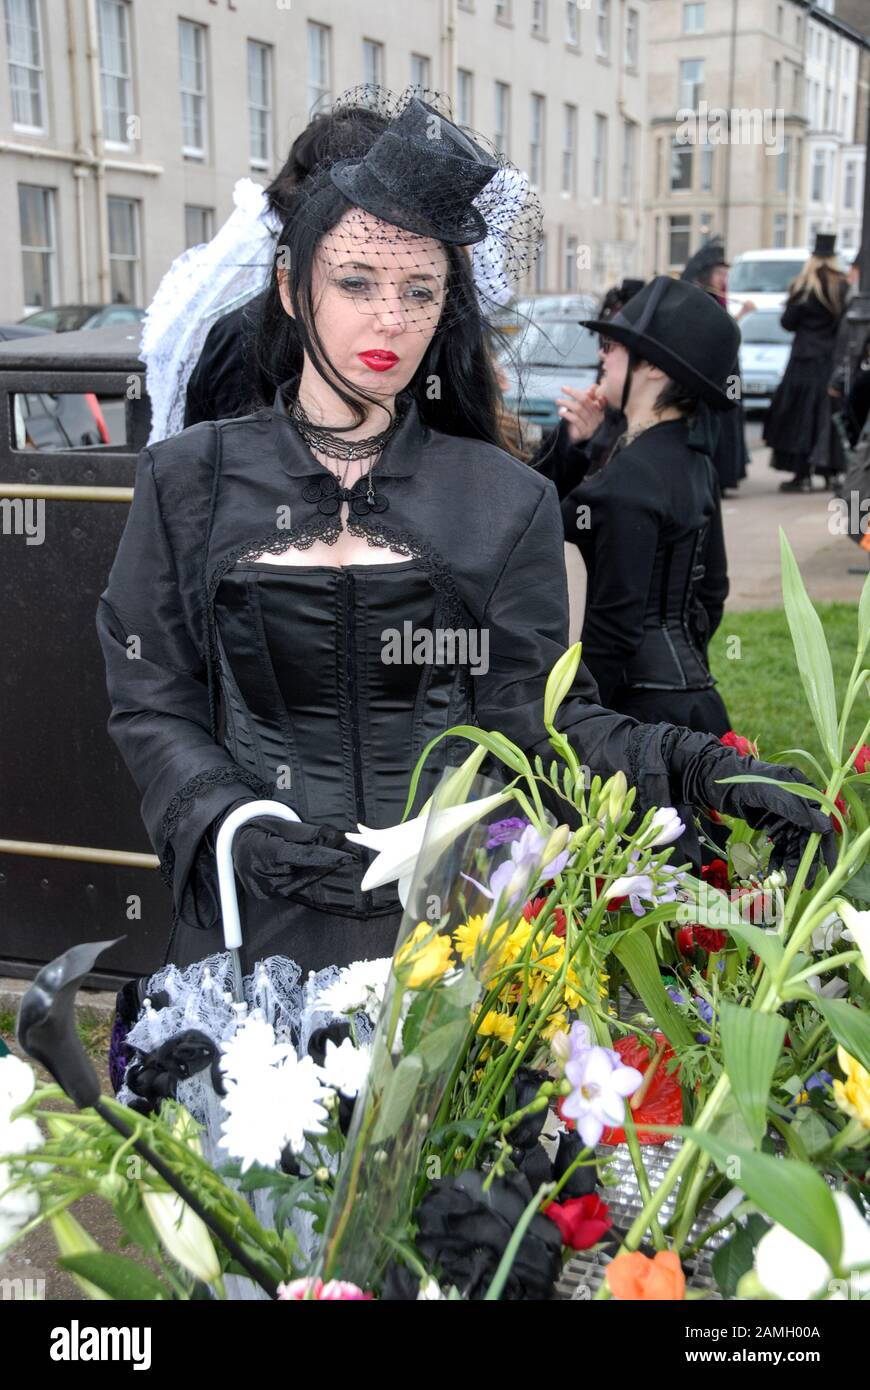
(424, 958)
(496, 1025)
(558, 1024)
(467, 935)
(853, 1094)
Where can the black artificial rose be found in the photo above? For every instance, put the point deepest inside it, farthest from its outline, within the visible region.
(464, 1229)
(534, 1164)
(527, 1083)
(401, 1284)
(335, 1032)
(584, 1179)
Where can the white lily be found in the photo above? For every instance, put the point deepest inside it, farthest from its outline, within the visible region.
(789, 1268)
(184, 1234)
(398, 846)
(858, 924)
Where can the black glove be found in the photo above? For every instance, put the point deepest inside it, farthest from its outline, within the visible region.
(285, 857)
(699, 761)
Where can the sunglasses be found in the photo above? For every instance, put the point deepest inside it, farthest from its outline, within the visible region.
(606, 345)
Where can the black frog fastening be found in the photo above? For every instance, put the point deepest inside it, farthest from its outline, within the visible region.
(328, 494)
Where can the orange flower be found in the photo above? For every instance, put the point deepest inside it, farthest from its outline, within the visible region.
(634, 1277)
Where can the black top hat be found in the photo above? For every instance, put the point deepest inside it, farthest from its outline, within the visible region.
(421, 174)
(826, 243)
(680, 328)
(629, 288)
(704, 259)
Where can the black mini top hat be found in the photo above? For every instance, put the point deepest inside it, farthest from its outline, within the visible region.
(704, 259)
(681, 329)
(826, 243)
(421, 174)
(629, 288)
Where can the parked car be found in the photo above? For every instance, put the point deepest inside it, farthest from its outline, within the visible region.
(546, 356)
(764, 277)
(68, 318)
(764, 351)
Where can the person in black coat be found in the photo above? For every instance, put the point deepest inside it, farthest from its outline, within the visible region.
(797, 425)
(265, 558)
(649, 524)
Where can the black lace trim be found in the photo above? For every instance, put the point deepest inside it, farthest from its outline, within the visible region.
(301, 537)
(408, 543)
(184, 800)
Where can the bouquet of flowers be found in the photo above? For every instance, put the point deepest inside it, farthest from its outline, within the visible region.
(561, 995)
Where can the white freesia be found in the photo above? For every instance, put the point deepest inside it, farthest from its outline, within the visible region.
(665, 827)
(360, 986)
(834, 988)
(345, 1067)
(430, 1291)
(398, 846)
(788, 1268)
(183, 1233)
(827, 933)
(269, 1107)
(858, 924)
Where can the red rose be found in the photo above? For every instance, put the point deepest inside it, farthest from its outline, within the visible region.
(534, 906)
(686, 940)
(705, 937)
(716, 874)
(841, 807)
(744, 747)
(582, 1221)
(862, 758)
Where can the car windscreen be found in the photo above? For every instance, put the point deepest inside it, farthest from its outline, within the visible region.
(762, 277)
(763, 328)
(555, 344)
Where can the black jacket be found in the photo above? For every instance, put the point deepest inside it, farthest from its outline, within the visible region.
(198, 733)
(649, 527)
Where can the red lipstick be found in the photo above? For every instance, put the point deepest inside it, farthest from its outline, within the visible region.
(378, 359)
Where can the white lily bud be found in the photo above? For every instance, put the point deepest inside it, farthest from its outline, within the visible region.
(559, 682)
(184, 1234)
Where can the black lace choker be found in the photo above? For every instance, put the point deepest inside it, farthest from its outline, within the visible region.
(323, 440)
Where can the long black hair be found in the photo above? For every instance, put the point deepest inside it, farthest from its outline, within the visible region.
(454, 387)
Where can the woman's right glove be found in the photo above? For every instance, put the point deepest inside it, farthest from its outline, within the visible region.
(285, 857)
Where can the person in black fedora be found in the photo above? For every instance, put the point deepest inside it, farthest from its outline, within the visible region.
(708, 269)
(649, 524)
(265, 557)
(798, 424)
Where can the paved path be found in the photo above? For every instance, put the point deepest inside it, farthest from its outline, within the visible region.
(752, 519)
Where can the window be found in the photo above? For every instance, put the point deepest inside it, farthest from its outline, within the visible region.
(705, 226)
(798, 28)
(26, 75)
(602, 28)
(260, 104)
(631, 33)
(599, 159)
(777, 82)
(691, 79)
(706, 168)
(681, 167)
(570, 274)
(191, 48)
(541, 265)
(679, 234)
(539, 16)
(502, 117)
(780, 13)
(198, 225)
(659, 160)
(797, 90)
(113, 21)
(503, 11)
(420, 71)
(780, 229)
(572, 24)
(319, 77)
(464, 96)
(817, 176)
(693, 19)
(849, 183)
(124, 267)
(38, 253)
(536, 143)
(783, 163)
(373, 62)
(629, 161)
(569, 150)
(829, 107)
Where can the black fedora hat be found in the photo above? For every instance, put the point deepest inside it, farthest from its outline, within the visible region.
(826, 244)
(421, 174)
(704, 259)
(680, 328)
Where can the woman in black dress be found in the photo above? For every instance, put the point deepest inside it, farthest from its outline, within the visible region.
(261, 578)
(797, 425)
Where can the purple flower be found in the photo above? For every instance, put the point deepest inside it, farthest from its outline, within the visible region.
(705, 1010)
(501, 832)
(516, 876)
(677, 996)
(601, 1084)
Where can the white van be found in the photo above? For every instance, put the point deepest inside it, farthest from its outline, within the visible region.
(764, 277)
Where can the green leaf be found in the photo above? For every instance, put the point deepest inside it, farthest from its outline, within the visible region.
(121, 1278)
(397, 1097)
(858, 886)
(737, 1256)
(635, 952)
(751, 1047)
(436, 1047)
(744, 859)
(811, 650)
(790, 1193)
(813, 1131)
(850, 1026)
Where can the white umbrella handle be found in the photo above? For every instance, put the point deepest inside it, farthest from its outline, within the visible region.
(226, 869)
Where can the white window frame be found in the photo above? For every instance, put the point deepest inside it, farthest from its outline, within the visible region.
(705, 168)
(374, 62)
(569, 267)
(780, 229)
(599, 158)
(850, 177)
(425, 69)
(37, 94)
(540, 272)
(539, 18)
(49, 249)
(134, 258)
(628, 167)
(537, 140)
(502, 121)
(694, 7)
(685, 218)
(265, 57)
(602, 29)
(465, 96)
(504, 12)
(198, 95)
(208, 220)
(632, 37)
(569, 150)
(572, 23)
(122, 77)
(783, 165)
(682, 156)
(689, 87)
(318, 38)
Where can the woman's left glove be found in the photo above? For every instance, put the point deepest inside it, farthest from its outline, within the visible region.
(789, 820)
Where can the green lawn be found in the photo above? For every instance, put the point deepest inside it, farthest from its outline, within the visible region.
(759, 681)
